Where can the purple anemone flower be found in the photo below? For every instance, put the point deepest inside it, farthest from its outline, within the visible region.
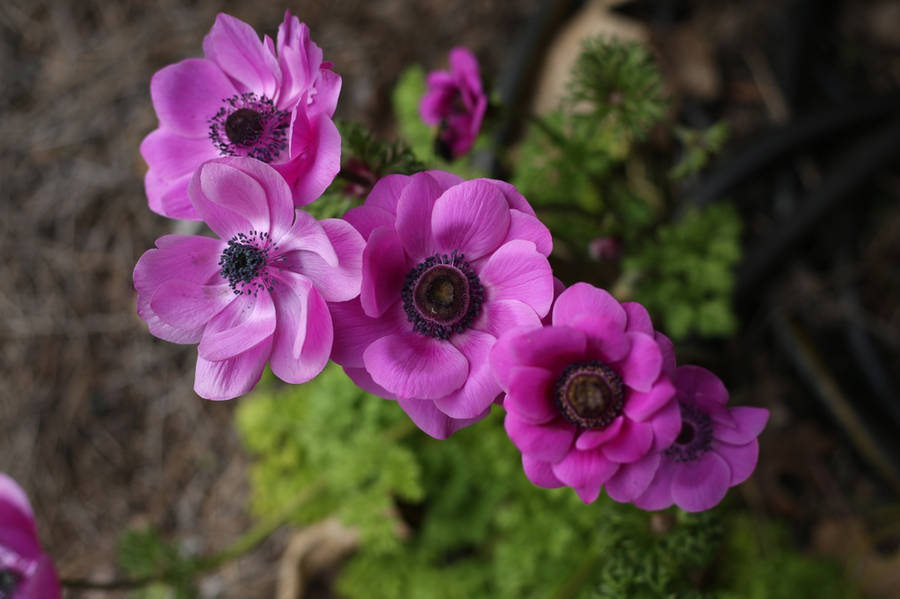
(268, 100)
(26, 572)
(716, 447)
(456, 103)
(258, 293)
(587, 396)
(448, 266)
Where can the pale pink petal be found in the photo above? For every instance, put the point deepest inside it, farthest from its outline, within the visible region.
(169, 198)
(642, 366)
(415, 366)
(741, 459)
(244, 323)
(582, 298)
(525, 226)
(354, 331)
(585, 471)
(498, 317)
(666, 423)
(540, 473)
(434, 422)
(328, 88)
(549, 442)
(304, 336)
(307, 235)
(530, 396)
(384, 270)
(749, 424)
(235, 376)
(237, 49)
(414, 215)
(632, 443)
(363, 380)
(607, 342)
(366, 218)
(517, 271)
(187, 94)
(638, 318)
(658, 495)
(480, 388)
(591, 439)
(315, 156)
(228, 200)
(642, 405)
(276, 192)
(632, 479)
(471, 218)
(186, 305)
(171, 156)
(702, 484)
(186, 257)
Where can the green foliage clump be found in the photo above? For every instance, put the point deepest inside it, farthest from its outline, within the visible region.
(699, 145)
(685, 272)
(143, 554)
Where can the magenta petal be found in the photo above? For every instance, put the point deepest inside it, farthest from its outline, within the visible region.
(386, 192)
(607, 341)
(638, 318)
(631, 480)
(659, 493)
(502, 357)
(186, 257)
(414, 366)
(480, 388)
(307, 235)
(277, 194)
(354, 331)
(169, 197)
(530, 396)
(362, 379)
(245, 322)
(666, 423)
(591, 439)
(315, 152)
(498, 317)
(434, 422)
(384, 270)
(549, 442)
(444, 179)
(552, 348)
(171, 156)
(582, 298)
(526, 226)
(228, 200)
(515, 199)
(366, 219)
(701, 485)
(237, 49)
(749, 424)
(12, 496)
(540, 473)
(741, 459)
(471, 218)
(642, 405)
(413, 222)
(336, 283)
(632, 443)
(187, 94)
(186, 305)
(304, 336)
(701, 386)
(235, 376)
(642, 366)
(43, 583)
(517, 271)
(585, 471)
(668, 352)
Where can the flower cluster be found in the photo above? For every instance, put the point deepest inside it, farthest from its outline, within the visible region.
(436, 292)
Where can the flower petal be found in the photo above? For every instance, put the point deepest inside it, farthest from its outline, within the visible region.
(631, 480)
(228, 200)
(434, 422)
(591, 439)
(741, 459)
(530, 395)
(186, 305)
(227, 379)
(414, 209)
(43, 583)
(666, 423)
(386, 193)
(384, 270)
(540, 473)
(480, 388)
(498, 317)
(526, 226)
(414, 366)
(517, 271)
(549, 442)
(642, 366)
(641, 405)
(659, 493)
(335, 283)
(631, 444)
(276, 192)
(354, 331)
(187, 94)
(237, 49)
(515, 199)
(315, 156)
(638, 318)
(607, 341)
(582, 298)
(668, 352)
(303, 340)
(701, 485)
(471, 218)
(585, 471)
(171, 155)
(552, 348)
(366, 218)
(244, 323)
(187, 257)
(363, 380)
(749, 424)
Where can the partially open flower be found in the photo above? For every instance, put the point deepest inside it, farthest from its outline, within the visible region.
(716, 447)
(26, 572)
(456, 103)
(258, 293)
(267, 100)
(448, 266)
(586, 396)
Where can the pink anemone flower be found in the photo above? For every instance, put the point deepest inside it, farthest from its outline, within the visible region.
(448, 266)
(715, 449)
(268, 100)
(258, 293)
(587, 396)
(455, 102)
(26, 572)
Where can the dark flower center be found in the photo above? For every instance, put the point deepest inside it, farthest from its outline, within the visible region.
(249, 125)
(9, 582)
(589, 394)
(695, 436)
(442, 296)
(243, 262)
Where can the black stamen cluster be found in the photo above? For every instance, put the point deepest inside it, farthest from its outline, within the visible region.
(244, 260)
(462, 311)
(695, 437)
(9, 582)
(248, 125)
(589, 395)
